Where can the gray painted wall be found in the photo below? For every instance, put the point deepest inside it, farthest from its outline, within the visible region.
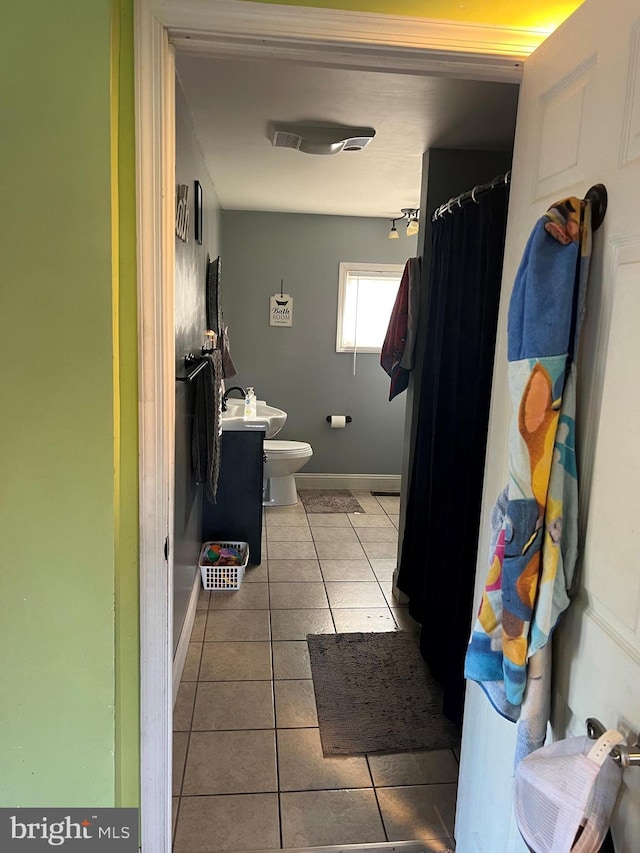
(190, 325)
(298, 368)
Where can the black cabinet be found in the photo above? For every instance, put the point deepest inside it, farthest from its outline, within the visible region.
(237, 513)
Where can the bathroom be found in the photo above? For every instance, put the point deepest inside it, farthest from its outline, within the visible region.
(298, 250)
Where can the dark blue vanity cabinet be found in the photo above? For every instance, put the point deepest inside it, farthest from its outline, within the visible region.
(237, 513)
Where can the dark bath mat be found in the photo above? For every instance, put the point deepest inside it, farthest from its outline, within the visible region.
(329, 500)
(374, 693)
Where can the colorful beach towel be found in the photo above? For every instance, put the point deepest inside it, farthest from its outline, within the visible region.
(535, 524)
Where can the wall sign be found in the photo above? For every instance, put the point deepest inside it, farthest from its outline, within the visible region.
(182, 212)
(281, 310)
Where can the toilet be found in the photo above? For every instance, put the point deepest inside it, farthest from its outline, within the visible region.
(282, 459)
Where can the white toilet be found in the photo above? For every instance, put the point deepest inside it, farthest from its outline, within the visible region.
(282, 459)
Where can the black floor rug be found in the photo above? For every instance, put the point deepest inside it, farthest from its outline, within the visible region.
(374, 693)
(329, 500)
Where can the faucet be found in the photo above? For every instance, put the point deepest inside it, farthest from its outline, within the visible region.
(225, 396)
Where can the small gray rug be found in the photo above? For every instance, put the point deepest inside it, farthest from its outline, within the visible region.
(374, 693)
(329, 500)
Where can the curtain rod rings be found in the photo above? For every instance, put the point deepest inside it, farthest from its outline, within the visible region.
(473, 194)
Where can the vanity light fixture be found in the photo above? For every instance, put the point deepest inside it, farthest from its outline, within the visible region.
(412, 215)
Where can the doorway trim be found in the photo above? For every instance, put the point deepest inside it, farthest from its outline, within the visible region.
(246, 30)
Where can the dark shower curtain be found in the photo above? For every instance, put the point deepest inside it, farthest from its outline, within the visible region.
(437, 566)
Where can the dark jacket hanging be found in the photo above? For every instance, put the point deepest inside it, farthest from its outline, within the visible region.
(437, 566)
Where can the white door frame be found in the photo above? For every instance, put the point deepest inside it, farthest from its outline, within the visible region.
(247, 30)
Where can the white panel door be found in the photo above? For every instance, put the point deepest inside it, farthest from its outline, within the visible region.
(578, 124)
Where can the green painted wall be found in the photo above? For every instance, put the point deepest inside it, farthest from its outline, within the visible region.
(67, 431)
(127, 601)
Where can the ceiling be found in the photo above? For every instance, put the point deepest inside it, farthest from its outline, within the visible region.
(233, 103)
(541, 14)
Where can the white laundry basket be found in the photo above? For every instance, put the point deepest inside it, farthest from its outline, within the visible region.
(214, 576)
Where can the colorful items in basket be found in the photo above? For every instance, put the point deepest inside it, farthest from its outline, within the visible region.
(220, 556)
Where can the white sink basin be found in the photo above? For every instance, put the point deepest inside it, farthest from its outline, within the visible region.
(268, 418)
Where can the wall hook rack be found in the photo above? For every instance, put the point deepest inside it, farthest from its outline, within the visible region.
(197, 362)
(597, 195)
(624, 756)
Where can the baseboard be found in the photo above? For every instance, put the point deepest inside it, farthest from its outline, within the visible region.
(355, 482)
(185, 636)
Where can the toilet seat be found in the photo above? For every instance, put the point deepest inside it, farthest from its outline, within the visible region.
(285, 448)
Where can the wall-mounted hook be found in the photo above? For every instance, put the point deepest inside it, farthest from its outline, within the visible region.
(597, 195)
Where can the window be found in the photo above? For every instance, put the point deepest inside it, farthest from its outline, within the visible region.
(366, 294)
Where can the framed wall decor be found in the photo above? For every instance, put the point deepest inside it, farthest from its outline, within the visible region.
(197, 191)
(214, 308)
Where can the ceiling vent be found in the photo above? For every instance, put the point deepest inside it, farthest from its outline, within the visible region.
(313, 139)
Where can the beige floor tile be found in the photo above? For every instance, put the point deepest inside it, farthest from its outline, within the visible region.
(395, 520)
(241, 661)
(322, 818)
(257, 574)
(297, 596)
(289, 533)
(287, 519)
(183, 709)
(384, 569)
(368, 503)
(203, 600)
(291, 551)
(295, 704)
(358, 520)
(303, 767)
(175, 802)
(347, 570)
(192, 662)
(404, 620)
(271, 512)
(250, 596)
(414, 768)
(301, 571)
(231, 705)
(236, 625)
(350, 594)
(380, 550)
(180, 743)
(364, 619)
(199, 624)
(228, 823)
(391, 505)
(296, 624)
(291, 660)
(340, 551)
(420, 812)
(377, 534)
(328, 519)
(230, 763)
(334, 534)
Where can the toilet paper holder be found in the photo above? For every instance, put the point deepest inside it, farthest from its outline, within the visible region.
(347, 418)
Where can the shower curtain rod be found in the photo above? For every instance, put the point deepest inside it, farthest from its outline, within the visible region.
(471, 195)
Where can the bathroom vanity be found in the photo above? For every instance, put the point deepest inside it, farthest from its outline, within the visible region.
(237, 513)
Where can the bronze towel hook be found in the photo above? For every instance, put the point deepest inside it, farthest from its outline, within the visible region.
(597, 195)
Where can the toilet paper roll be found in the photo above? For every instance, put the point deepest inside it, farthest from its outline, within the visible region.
(338, 421)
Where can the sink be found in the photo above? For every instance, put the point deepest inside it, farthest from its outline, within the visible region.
(268, 418)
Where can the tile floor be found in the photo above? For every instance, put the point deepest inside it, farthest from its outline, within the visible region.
(249, 773)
